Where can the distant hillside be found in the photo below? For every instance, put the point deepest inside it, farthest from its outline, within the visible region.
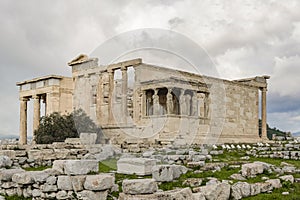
(8, 137)
(271, 131)
(297, 134)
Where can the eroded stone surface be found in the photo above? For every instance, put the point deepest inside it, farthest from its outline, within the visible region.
(139, 166)
(139, 186)
(99, 182)
(240, 190)
(167, 173)
(6, 175)
(80, 167)
(214, 191)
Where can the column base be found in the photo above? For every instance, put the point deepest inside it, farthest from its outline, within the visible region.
(265, 139)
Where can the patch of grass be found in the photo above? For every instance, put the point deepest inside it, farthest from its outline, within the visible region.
(230, 156)
(108, 165)
(41, 168)
(276, 161)
(221, 175)
(294, 191)
(258, 178)
(15, 197)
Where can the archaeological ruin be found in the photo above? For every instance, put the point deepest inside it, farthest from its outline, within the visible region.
(132, 100)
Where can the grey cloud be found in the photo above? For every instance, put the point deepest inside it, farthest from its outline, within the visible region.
(40, 37)
(279, 104)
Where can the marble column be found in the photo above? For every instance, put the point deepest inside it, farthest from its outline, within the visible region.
(36, 113)
(124, 93)
(155, 102)
(110, 95)
(206, 105)
(23, 120)
(264, 113)
(170, 104)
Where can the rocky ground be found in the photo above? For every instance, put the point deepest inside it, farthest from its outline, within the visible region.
(75, 171)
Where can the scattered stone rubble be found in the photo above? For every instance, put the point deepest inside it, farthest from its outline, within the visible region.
(74, 171)
(67, 179)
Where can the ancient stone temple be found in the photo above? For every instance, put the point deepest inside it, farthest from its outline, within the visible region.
(54, 91)
(135, 101)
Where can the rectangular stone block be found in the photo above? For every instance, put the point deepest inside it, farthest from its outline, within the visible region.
(23, 178)
(80, 167)
(6, 175)
(9, 153)
(64, 183)
(139, 186)
(138, 166)
(88, 138)
(99, 182)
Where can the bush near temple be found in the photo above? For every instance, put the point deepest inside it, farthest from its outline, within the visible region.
(56, 127)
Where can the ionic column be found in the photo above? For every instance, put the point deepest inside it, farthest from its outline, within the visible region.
(110, 95)
(23, 120)
(124, 92)
(155, 102)
(36, 113)
(264, 113)
(170, 105)
(206, 105)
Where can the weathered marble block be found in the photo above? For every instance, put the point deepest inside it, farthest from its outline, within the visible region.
(88, 138)
(167, 173)
(6, 175)
(139, 186)
(80, 167)
(99, 182)
(76, 167)
(138, 166)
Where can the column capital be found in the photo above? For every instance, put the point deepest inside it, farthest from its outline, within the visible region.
(123, 68)
(264, 89)
(110, 71)
(36, 96)
(24, 99)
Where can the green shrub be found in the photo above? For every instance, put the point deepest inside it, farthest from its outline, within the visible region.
(56, 127)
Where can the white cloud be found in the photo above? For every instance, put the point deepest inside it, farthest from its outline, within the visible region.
(285, 79)
(244, 38)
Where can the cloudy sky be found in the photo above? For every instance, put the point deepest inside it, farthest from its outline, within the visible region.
(243, 38)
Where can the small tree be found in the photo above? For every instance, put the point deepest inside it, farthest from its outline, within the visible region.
(56, 127)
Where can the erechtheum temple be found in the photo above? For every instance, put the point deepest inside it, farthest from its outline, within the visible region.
(157, 104)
